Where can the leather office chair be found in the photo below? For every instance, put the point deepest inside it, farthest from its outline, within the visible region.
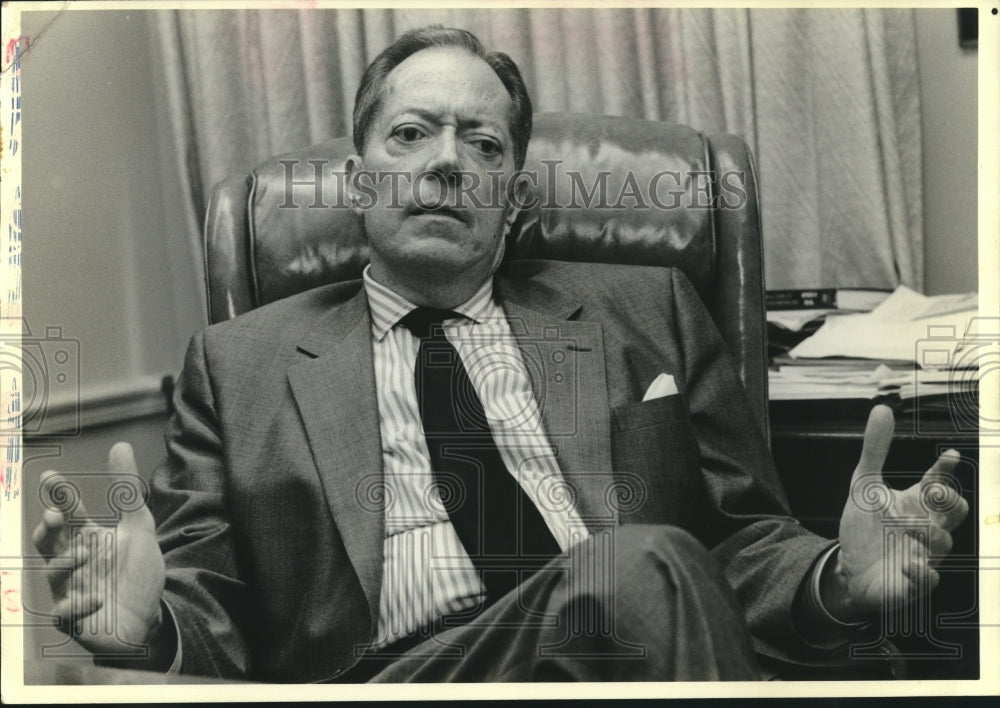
(264, 242)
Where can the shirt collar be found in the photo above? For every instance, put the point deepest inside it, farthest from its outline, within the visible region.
(388, 307)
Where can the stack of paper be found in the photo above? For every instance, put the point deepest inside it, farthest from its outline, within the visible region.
(793, 315)
(895, 329)
(911, 345)
(849, 380)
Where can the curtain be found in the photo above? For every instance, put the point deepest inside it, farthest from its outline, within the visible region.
(828, 101)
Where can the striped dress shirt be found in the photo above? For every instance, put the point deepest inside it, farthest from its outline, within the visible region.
(426, 572)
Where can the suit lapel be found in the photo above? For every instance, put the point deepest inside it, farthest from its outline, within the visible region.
(335, 392)
(334, 389)
(565, 360)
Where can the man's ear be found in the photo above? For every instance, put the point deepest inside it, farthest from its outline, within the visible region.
(519, 191)
(352, 168)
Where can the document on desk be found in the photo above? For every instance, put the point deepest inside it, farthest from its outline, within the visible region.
(896, 329)
(853, 380)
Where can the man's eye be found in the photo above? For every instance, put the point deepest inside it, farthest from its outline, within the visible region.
(488, 147)
(408, 134)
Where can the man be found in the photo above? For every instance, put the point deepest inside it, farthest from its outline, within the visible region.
(338, 501)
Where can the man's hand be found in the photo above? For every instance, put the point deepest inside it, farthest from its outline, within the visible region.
(874, 568)
(107, 596)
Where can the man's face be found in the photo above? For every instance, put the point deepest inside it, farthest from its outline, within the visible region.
(444, 112)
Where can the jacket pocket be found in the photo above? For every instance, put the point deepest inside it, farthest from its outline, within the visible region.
(655, 449)
(645, 413)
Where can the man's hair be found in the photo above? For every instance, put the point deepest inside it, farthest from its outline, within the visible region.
(368, 100)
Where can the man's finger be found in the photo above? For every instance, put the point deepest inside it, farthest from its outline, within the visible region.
(916, 567)
(76, 567)
(121, 461)
(948, 508)
(954, 512)
(121, 458)
(51, 536)
(940, 545)
(62, 499)
(942, 469)
(74, 607)
(878, 438)
(78, 575)
(920, 574)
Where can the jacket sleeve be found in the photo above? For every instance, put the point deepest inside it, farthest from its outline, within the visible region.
(765, 553)
(204, 589)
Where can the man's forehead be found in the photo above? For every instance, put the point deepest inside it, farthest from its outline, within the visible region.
(447, 80)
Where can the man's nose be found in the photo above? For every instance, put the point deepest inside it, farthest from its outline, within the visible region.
(444, 160)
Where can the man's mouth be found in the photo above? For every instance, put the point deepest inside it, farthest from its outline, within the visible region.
(461, 215)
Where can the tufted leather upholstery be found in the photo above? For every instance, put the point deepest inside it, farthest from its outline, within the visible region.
(262, 244)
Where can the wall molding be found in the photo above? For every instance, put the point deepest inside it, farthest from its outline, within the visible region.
(140, 397)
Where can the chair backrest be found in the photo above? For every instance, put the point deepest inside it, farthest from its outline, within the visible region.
(609, 190)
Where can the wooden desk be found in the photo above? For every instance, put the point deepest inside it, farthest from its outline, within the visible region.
(816, 445)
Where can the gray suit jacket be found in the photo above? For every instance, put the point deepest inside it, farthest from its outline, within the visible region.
(270, 503)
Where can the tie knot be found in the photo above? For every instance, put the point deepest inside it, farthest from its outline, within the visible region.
(421, 321)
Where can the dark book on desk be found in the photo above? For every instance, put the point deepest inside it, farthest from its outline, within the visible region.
(843, 362)
(855, 299)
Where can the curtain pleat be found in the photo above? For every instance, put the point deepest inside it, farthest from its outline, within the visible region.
(828, 100)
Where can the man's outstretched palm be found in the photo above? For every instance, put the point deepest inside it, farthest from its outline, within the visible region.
(107, 596)
(891, 540)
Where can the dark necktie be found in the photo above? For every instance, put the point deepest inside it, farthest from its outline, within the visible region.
(498, 524)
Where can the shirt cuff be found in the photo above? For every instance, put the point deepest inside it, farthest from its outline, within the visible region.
(175, 667)
(828, 631)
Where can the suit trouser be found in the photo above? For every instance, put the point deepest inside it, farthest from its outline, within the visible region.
(644, 603)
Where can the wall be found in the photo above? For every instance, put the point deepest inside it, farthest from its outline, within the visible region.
(105, 257)
(948, 86)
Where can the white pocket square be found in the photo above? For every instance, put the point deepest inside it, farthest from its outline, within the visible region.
(663, 385)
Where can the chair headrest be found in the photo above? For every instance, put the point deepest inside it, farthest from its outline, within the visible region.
(609, 190)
